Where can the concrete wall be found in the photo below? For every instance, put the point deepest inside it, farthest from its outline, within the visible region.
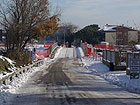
(132, 36)
(110, 37)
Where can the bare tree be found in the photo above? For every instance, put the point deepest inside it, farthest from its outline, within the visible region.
(69, 27)
(25, 19)
(68, 30)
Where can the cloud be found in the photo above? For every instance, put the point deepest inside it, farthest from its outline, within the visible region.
(83, 12)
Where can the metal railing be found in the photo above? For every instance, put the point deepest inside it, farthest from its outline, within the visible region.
(20, 71)
(52, 48)
(24, 69)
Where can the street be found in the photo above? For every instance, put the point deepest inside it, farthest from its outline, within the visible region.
(66, 82)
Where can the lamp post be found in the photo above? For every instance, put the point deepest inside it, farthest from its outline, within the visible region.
(64, 36)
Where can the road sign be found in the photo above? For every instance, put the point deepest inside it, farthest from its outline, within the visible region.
(134, 66)
(134, 62)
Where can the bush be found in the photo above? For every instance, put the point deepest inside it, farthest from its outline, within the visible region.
(20, 57)
(4, 65)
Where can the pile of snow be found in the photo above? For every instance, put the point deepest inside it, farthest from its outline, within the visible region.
(94, 66)
(78, 55)
(115, 77)
(123, 80)
(79, 52)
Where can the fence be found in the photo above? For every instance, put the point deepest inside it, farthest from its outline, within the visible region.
(24, 69)
(10, 77)
(87, 48)
(114, 59)
(51, 48)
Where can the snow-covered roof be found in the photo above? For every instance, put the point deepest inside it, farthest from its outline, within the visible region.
(137, 46)
(110, 28)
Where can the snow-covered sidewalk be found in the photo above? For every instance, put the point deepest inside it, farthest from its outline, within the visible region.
(115, 77)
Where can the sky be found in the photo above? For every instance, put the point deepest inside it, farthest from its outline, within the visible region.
(101, 12)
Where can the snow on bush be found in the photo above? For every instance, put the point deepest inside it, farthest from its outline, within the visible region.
(10, 64)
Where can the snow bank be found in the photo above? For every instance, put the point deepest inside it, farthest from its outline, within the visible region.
(123, 80)
(79, 52)
(95, 66)
(115, 77)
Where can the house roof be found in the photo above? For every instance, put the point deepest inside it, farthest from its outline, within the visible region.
(137, 47)
(112, 28)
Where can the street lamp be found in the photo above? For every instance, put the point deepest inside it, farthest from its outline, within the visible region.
(64, 36)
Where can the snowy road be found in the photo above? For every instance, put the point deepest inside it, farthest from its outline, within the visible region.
(66, 82)
(67, 53)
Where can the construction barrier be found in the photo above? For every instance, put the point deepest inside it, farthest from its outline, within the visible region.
(41, 53)
(87, 48)
(47, 45)
(110, 46)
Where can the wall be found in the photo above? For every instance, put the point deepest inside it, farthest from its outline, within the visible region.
(122, 36)
(132, 36)
(110, 37)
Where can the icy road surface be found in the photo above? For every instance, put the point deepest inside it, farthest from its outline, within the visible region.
(66, 82)
(67, 53)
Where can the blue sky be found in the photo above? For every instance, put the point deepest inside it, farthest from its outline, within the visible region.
(86, 12)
